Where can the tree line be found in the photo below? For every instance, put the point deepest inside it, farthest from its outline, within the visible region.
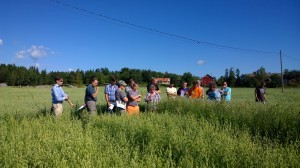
(21, 76)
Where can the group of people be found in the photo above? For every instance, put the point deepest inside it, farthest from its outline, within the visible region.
(197, 91)
(122, 98)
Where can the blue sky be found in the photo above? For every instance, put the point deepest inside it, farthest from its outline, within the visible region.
(54, 37)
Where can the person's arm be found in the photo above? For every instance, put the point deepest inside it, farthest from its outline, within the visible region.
(148, 97)
(134, 97)
(123, 97)
(179, 92)
(157, 89)
(255, 94)
(59, 94)
(96, 92)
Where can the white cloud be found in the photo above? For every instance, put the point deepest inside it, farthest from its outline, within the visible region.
(200, 62)
(1, 42)
(70, 69)
(21, 54)
(38, 51)
(35, 52)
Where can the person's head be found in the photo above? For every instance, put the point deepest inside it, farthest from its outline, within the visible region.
(59, 80)
(262, 83)
(94, 81)
(152, 89)
(198, 82)
(224, 84)
(212, 85)
(154, 81)
(184, 84)
(195, 83)
(112, 81)
(121, 84)
(135, 86)
(171, 84)
(131, 81)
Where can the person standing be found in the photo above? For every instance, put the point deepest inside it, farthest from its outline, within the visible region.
(226, 92)
(129, 86)
(213, 93)
(260, 93)
(152, 98)
(153, 83)
(171, 91)
(110, 98)
(90, 97)
(121, 98)
(58, 97)
(195, 92)
(182, 91)
(134, 97)
(201, 88)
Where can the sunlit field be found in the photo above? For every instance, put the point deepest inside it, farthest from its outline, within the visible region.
(182, 133)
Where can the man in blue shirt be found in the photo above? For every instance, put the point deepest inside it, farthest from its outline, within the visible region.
(226, 92)
(58, 96)
(90, 97)
(110, 97)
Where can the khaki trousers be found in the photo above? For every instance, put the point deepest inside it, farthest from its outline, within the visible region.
(57, 109)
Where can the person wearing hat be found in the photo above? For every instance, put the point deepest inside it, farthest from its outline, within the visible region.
(121, 99)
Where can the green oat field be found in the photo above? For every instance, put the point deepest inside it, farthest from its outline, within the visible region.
(181, 133)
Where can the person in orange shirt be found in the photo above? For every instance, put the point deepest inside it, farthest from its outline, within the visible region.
(195, 92)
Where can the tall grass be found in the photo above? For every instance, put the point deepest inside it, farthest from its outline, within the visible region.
(180, 134)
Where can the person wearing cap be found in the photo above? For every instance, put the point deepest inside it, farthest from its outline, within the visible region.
(134, 97)
(110, 98)
(90, 97)
(171, 91)
(121, 99)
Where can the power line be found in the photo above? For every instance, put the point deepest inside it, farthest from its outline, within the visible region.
(295, 59)
(139, 27)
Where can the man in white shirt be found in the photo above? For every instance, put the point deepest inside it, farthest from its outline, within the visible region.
(171, 91)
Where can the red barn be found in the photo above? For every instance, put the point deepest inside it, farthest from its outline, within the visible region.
(206, 80)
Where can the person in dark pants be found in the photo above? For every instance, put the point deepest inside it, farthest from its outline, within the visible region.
(110, 97)
(260, 93)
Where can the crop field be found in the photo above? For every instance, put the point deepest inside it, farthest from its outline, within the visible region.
(181, 133)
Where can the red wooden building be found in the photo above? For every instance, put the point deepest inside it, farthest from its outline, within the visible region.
(206, 80)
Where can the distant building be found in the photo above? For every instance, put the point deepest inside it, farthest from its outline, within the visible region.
(206, 80)
(163, 81)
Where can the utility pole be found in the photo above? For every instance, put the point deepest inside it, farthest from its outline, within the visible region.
(282, 83)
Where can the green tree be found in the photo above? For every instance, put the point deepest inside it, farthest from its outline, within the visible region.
(231, 80)
(78, 81)
(187, 77)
